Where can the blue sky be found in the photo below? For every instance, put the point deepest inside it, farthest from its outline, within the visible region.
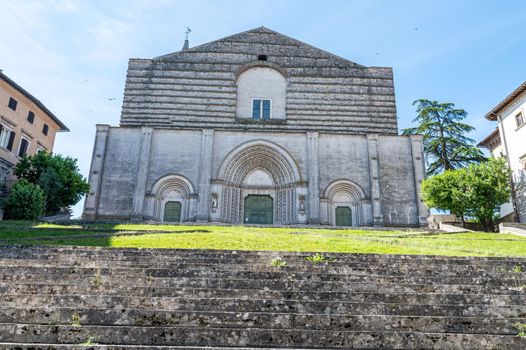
(73, 55)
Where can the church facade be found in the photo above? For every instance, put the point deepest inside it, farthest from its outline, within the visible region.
(257, 128)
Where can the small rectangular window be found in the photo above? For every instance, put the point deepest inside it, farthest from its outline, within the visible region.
(30, 117)
(262, 57)
(24, 145)
(256, 109)
(4, 136)
(12, 103)
(519, 119)
(261, 109)
(45, 129)
(266, 109)
(7, 137)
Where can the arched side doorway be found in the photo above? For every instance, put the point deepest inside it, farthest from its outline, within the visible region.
(173, 199)
(263, 176)
(345, 204)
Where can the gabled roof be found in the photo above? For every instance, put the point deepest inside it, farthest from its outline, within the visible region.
(260, 30)
(34, 100)
(492, 115)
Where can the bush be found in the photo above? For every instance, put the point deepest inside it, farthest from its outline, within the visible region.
(25, 202)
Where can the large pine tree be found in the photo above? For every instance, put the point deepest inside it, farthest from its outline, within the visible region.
(446, 145)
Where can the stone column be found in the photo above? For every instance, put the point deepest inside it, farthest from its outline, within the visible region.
(205, 170)
(374, 176)
(417, 151)
(142, 174)
(91, 204)
(313, 175)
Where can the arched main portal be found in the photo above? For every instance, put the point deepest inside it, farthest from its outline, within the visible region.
(265, 174)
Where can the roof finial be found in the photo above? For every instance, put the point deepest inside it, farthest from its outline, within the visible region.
(186, 45)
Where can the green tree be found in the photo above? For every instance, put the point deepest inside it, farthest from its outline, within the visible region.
(447, 191)
(446, 145)
(488, 188)
(476, 191)
(58, 176)
(25, 202)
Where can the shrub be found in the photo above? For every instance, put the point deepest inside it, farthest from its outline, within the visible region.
(25, 202)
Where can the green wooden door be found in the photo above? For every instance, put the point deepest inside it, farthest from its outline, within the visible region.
(343, 216)
(172, 212)
(258, 210)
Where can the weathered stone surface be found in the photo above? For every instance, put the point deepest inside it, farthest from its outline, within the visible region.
(124, 298)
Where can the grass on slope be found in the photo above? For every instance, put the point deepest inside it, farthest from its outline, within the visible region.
(264, 238)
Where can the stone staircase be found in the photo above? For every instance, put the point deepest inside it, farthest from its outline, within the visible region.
(62, 297)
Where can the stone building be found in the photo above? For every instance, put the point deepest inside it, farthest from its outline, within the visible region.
(508, 141)
(26, 127)
(257, 128)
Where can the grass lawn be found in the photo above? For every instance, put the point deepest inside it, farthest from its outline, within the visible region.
(263, 238)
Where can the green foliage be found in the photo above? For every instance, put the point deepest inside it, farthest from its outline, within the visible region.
(476, 191)
(521, 329)
(319, 258)
(88, 342)
(445, 145)
(25, 202)
(278, 262)
(58, 177)
(75, 320)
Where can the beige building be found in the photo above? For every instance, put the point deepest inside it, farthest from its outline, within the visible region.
(26, 127)
(508, 140)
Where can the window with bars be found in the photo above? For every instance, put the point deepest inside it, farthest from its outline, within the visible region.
(261, 109)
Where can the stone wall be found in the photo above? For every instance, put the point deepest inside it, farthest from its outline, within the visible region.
(379, 174)
(196, 88)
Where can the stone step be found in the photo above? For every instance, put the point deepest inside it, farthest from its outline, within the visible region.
(396, 270)
(43, 252)
(253, 337)
(262, 305)
(41, 346)
(221, 319)
(76, 273)
(517, 298)
(397, 286)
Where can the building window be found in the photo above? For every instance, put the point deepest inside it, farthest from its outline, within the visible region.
(12, 103)
(45, 129)
(262, 57)
(7, 137)
(41, 148)
(519, 118)
(30, 117)
(24, 145)
(260, 109)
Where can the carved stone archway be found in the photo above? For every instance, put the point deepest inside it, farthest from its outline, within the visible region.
(173, 188)
(345, 193)
(259, 168)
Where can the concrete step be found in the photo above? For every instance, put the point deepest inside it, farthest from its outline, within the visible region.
(517, 298)
(41, 346)
(361, 283)
(262, 305)
(399, 269)
(76, 273)
(253, 337)
(116, 254)
(293, 285)
(267, 320)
